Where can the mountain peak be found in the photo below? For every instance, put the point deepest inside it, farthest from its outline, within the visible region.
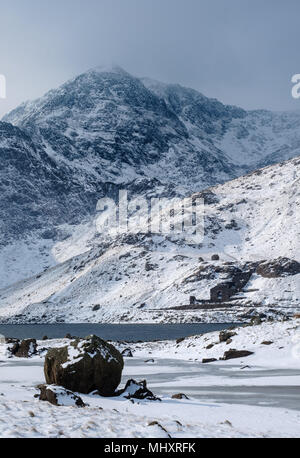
(108, 68)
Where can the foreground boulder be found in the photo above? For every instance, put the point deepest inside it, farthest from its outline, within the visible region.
(137, 390)
(59, 396)
(232, 353)
(86, 365)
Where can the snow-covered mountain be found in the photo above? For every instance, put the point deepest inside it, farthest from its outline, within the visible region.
(106, 130)
(249, 222)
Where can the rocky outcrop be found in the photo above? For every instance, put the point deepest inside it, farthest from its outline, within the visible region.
(59, 396)
(86, 365)
(281, 267)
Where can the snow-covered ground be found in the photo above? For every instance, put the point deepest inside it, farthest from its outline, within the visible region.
(254, 396)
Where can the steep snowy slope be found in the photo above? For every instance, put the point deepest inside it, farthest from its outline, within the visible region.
(136, 277)
(250, 139)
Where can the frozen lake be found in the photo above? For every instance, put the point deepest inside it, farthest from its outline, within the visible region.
(221, 383)
(207, 383)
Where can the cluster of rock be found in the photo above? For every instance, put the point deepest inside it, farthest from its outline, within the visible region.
(86, 366)
(226, 337)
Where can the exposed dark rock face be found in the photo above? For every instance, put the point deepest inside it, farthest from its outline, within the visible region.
(59, 396)
(281, 267)
(208, 360)
(149, 266)
(85, 366)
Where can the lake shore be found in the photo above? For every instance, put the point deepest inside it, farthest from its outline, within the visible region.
(253, 396)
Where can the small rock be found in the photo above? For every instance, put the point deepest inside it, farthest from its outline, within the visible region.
(232, 353)
(226, 335)
(209, 346)
(59, 396)
(181, 339)
(215, 257)
(137, 390)
(127, 353)
(267, 342)
(227, 422)
(179, 396)
(208, 360)
(256, 321)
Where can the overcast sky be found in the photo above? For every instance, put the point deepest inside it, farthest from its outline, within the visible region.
(243, 52)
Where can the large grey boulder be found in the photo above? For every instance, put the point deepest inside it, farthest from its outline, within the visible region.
(85, 365)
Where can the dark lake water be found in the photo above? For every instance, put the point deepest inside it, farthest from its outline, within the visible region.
(127, 332)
